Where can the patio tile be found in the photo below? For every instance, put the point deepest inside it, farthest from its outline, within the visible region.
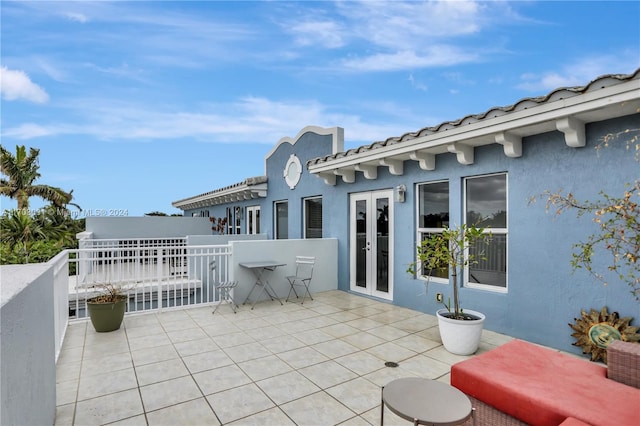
(287, 387)
(388, 332)
(365, 323)
(160, 371)
(68, 371)
(251, 323)
(151, 341)
(207, 361)
(356, 421)
(193, 347)
(247, 352)
(319, 322)
(327, 374)
(138, 420)
(262, 368)
(185, 335)
(385, 375)
(101, 350)
(182, 324)
(234, 404)
(265, 333)
(361, 362)
(313, 336)
(109, 408)
(70, 355)
(66, 392)
(106, 383)
(335, 348)
(358, 394)
(391, 352)
(64, 415)
(282, 344)
(339, 330)
(140, 320)
(220, 328)
(93, 366)
(416, 323)
(170, 392)
(135, 332)
(416, 343)
(344, 316)
(424, 366)
(233, 339)
(363, 340)
(151, 355)
(324, 309)
(221, 379)
(317, 409)
(367, 311)
(441, 354)
(303, 357)
(196, 412)
(272, 416)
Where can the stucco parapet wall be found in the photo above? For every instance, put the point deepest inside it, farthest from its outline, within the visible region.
(564, 109)
(16, 278)
(253, 187)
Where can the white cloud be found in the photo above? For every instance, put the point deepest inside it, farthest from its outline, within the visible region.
(77, 17)
(432, 56)
(579, 72)
(250, 119)
(28, 131)
(16, 85)
(325, 33)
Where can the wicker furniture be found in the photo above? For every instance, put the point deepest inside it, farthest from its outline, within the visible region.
(520, 383)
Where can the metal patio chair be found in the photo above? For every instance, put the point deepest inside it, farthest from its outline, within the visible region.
(224, 290)
(302, 278)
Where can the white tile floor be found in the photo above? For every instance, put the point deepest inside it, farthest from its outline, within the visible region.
(321, 363)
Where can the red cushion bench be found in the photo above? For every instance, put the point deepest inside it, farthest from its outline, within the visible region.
(540, 386)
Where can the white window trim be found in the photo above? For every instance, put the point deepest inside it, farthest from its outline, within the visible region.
(420, 231)
(304, 215)
(495, 231)
(275, 218)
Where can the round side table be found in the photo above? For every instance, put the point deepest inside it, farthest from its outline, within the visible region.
(425, 402)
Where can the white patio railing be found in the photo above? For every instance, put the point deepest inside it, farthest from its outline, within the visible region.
(155, 273)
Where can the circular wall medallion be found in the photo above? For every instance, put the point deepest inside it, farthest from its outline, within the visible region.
(292, 171)
(596, 330)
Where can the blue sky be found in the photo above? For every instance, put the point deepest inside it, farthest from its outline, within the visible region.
(134, 105)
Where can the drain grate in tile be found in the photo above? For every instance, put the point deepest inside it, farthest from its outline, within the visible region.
(391, 364)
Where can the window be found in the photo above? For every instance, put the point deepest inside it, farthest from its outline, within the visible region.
(282, 220)
(486, 207)
(253, 220)
(433, 215)
(234, 217)
(313, 217)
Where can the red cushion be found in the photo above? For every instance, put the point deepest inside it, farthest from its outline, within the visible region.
(540, 386)
(572, 421)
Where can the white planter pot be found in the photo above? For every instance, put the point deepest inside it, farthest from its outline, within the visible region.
(460, 337)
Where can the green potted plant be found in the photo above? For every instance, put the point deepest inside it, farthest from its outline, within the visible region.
(107, 309)
(460, 329)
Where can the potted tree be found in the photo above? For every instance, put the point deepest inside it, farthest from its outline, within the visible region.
(460, 329)
(106, 310)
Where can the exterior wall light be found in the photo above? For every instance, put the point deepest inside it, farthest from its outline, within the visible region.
(401, 190)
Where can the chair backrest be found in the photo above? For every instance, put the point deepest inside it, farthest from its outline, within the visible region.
(304, 266)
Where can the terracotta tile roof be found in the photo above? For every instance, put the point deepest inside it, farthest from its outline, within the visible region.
(526, 103)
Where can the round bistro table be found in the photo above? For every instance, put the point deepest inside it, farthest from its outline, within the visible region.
(425, 402)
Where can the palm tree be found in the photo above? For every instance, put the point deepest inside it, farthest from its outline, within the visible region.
(20, 231)
(21, 171)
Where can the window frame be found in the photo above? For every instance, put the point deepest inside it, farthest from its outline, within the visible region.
(276, 229)
(304, 217)
(421, 231)
(494, 231)
(252, 214)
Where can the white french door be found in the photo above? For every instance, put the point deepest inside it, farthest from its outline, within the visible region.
(370, 243)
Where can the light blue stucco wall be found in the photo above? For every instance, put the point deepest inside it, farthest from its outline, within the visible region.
(543, 295)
